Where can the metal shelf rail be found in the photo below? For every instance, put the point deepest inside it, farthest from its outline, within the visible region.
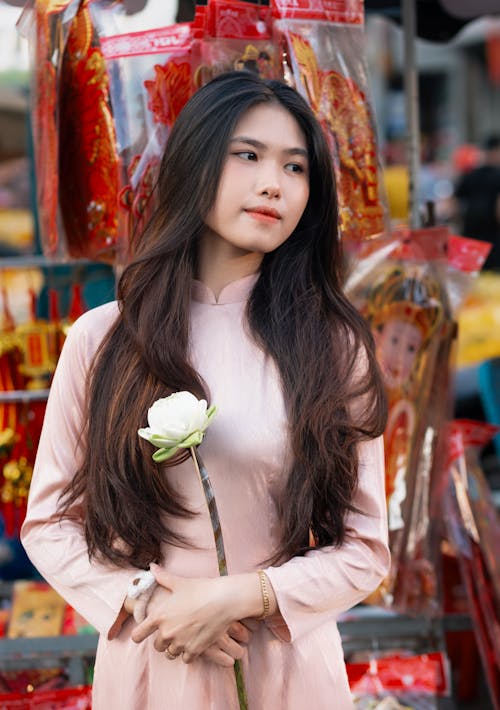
(376, 631)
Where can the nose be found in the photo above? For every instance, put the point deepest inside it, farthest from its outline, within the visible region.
(268, 184)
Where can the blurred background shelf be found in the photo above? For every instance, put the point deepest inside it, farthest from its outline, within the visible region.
(24, 395)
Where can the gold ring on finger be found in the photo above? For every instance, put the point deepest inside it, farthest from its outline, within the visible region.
(171, 656)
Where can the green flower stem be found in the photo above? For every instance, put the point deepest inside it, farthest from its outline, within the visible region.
(221, 556)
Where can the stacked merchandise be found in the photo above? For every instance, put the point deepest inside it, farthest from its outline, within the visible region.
(64, 699)
(70, 102)
(409, 290)
(400, 681)
(473, 531)
(38, 611)
(321, 49)
(152, 75)
(112, 98)
(30, 347)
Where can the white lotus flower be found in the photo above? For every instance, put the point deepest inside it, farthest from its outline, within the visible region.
(176, 422)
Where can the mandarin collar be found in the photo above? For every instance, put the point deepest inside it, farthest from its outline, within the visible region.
(234, 292)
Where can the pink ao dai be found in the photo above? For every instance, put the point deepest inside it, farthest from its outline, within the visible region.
(294, 661)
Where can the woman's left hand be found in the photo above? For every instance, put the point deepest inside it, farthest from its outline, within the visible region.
(230, 647)
(190, 615)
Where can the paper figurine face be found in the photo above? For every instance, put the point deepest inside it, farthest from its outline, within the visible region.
(398, 344)
(37, 610)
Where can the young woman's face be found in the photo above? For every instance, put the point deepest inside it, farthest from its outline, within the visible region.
(264, 186)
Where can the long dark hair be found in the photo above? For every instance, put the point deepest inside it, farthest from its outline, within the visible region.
(297, 312)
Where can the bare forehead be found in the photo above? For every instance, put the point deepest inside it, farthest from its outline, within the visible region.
(272, 126)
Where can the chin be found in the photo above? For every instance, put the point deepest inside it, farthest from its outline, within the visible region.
(257, 249)
(267, 247)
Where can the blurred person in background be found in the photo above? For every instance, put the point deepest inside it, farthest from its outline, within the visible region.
(435, 184)
(477, 195)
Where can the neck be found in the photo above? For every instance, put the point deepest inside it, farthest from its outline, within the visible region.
(219, 263)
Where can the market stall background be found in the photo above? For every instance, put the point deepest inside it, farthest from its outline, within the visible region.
(433, 630)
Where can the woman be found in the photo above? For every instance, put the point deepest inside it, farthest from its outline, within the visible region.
(235, 296)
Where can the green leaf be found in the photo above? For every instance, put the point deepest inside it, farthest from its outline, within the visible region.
(162, 441)
(211, 411)
(164, 454)
(192, 440)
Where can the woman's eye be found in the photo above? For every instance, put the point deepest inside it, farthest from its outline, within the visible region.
(246, 155)
(294, 167)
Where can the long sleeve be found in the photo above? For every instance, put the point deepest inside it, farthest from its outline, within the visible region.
(57, 547)
(317, 587)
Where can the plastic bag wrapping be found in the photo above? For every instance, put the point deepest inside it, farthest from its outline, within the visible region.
(238, 35)
(79, 698)
(473, 529)
(151, 79)
(396, 681)
(465, 259)
(45, 25)
(408, 302)
(152, 75)
(74, 141)
(322, 51)
(88, 160)
(110, 98)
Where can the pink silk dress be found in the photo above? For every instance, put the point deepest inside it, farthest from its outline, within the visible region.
(294, 660)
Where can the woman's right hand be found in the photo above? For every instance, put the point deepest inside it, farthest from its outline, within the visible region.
(189, 616)
(230, 647)
(225, 650)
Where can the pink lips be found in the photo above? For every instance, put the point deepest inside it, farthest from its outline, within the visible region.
(265, 214)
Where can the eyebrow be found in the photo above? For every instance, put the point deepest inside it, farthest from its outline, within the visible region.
(262, 146)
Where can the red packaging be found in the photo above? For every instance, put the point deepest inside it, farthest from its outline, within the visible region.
(45, 25)
(413, 681)
(321, 46)
(151, 79)
(410, 298)
(88, 160)
(63, 699)
(238, 36)
(473, 529)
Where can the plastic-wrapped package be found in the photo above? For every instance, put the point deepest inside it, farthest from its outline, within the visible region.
(400, 682)
(238, 36)
(79, 698)
(10, 377)
(473, 529)
(322, 51)
(88, 159)
(45, 24)
(410, 306)
(151, 78)
(74, 141)
(465, 259)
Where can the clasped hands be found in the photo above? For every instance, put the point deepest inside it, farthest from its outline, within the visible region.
(200, 617)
